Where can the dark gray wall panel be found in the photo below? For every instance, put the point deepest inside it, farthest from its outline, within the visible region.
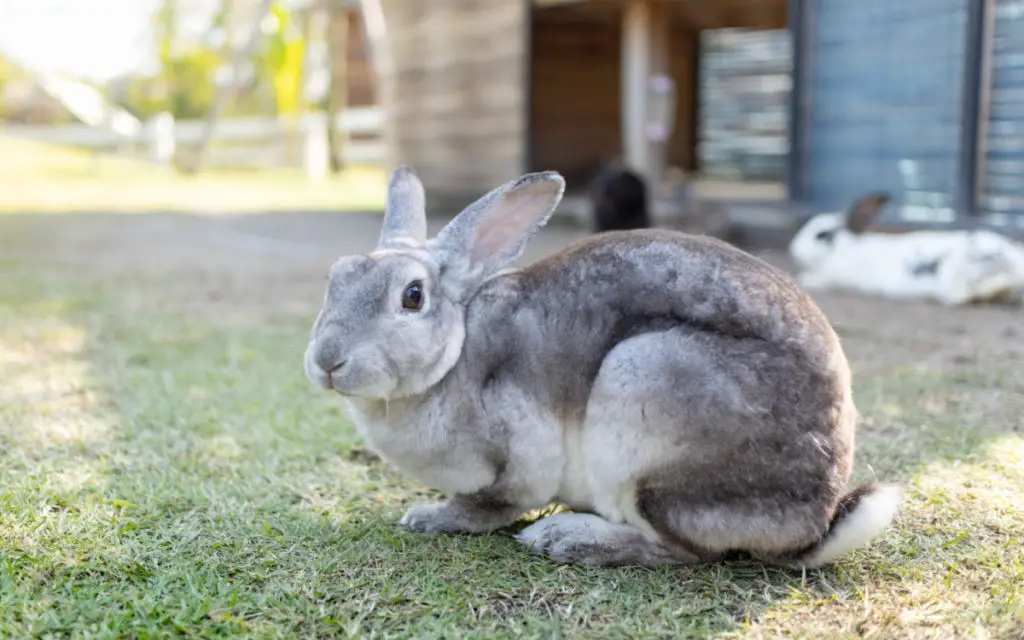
(1001, 196)
(885, 90)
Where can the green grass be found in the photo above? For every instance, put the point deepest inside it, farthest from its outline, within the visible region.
(40, 177)
(173, 475)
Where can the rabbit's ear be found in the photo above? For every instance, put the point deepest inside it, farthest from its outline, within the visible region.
(405, 218)
(863, 212)
(491, 233)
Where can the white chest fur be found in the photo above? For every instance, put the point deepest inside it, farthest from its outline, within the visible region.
(574, 489)
(430, 453)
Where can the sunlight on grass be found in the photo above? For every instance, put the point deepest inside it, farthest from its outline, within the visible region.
(983, 482)
(45, 391)
(55, 431)
(954, 563)
(36, 177)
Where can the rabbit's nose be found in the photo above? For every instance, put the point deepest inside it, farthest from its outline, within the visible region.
(329, 360)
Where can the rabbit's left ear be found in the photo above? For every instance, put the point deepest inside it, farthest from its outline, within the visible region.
(491, 233)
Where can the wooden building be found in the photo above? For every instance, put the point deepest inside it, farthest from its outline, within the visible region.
(477, 91)
(919, 97)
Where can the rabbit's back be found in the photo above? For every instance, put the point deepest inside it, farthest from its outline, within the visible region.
(659, 276)
(554, 322)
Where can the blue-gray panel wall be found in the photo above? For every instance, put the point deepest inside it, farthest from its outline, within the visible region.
(885, 83)
(1001, 194)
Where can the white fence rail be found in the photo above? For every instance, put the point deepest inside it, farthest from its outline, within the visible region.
(237, 142)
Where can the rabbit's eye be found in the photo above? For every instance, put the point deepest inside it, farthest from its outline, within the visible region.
(412, 297)
(827, 236)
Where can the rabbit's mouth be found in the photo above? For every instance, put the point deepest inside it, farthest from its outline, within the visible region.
(361, 374)
(354, 381)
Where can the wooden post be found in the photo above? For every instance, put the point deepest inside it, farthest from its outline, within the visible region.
(636, 63)
(661, 93)
(645, 55)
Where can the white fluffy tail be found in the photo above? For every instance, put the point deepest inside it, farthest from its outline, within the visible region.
(862, 514)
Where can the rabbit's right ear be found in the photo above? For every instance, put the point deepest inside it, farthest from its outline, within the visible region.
(863, 212)
(405, 218)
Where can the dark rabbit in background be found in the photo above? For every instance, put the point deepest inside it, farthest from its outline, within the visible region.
(621, 200)
(618, 200)
(687, 399)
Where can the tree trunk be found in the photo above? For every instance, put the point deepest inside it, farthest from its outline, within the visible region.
(228, 91)
(337, 90)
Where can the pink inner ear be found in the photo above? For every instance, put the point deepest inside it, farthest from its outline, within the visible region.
(507, 224)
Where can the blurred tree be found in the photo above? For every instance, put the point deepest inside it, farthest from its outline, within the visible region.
(23, 100)
(166, 32)
(6, 72)
(254, 93)
(185, 86)
(286, 51)
(193, 87)
(244, 55)
(185, 82)
(192, 71)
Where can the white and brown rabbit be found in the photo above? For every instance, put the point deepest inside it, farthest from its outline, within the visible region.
(689, 397)
(837, 251)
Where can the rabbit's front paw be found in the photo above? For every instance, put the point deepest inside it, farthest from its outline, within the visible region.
(459, 515)
(428, 518)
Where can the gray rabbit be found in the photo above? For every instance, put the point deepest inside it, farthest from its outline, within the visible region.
(685, 398)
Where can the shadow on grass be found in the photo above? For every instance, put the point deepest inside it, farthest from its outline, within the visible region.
(173, 473)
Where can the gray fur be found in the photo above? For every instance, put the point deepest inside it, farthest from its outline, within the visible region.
(689, 394)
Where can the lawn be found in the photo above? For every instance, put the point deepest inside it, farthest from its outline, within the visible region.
(40, 177)
(167, 471)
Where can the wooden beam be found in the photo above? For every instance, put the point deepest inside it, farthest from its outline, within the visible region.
(636, 65)
(556, 3)
(338, 25)
(661, 106)
(645, 54)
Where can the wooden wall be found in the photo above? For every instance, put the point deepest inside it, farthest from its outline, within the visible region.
(575, 101)
(458, 113)
(574, 107)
